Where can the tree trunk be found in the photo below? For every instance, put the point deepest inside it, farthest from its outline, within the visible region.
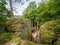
(11, 8)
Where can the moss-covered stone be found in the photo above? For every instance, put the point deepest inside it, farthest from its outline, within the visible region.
(21, 28)
(13, 25)
(25, 29)
(49, 30)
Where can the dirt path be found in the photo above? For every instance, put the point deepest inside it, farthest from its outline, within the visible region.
(22, 42)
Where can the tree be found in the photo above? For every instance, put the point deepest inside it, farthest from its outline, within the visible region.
(31, 14)
(11, 2)
(11, 8)
(54, 8)
(46, 11)
(30, 8)
(4, 12)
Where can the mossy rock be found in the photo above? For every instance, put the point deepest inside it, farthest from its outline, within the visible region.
(13, 25)
(49, 30)
(25, 29)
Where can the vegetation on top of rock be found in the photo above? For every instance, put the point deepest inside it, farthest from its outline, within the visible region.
(48, 31)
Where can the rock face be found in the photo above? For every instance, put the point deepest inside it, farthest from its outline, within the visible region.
(25, 29)
(20, 28)
(4, 37)
(13, 25)
(48, 31)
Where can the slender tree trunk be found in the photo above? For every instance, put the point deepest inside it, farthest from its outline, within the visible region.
(11, 8)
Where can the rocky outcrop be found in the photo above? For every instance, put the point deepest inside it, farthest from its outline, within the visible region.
(48, 31)
(25, 29)
(13, 25)
(21, 28)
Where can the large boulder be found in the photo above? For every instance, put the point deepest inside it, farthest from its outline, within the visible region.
(49, 31)
(25, 29)
(20, 28)
(13, 24)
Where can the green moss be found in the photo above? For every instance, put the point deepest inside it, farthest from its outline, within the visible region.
(48, 31)
(5, 37)
(16, 40)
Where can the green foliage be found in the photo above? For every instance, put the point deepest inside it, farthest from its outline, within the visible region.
(4, 12)
(54, 8)
(47, 10)
(30, 12)
(31, 7)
